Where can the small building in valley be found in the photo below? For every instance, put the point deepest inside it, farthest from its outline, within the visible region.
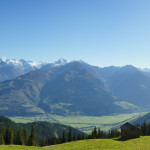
(129, 131)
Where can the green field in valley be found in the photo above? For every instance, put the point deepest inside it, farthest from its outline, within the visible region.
(83, 123)
(141, 143)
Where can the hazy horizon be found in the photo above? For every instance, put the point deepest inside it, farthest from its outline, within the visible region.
(72, 61)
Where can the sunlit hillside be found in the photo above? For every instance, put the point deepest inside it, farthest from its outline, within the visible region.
(141, 143)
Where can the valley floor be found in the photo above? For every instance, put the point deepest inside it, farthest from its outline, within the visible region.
(141, 143)
(83, 123)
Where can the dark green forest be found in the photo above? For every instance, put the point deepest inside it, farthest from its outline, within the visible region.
(44, 133)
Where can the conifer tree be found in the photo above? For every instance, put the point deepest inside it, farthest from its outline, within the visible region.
(1, 140)
(89, 136)
(144, 128)
(148, 132)
(3, 131)
(64, 138)
(99, 133)
(43, 142)
(102, 134)
(83, 137)
(25, 136)
(33, 137)
(95, 132)
(79, 137)
(70, 135)
(19, 137)
(74, 137)
(9, 136)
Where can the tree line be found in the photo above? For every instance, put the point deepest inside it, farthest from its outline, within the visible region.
(95, 134)
(18, 137)
(145, 128)
(22, 137)
(63, 139)
(98, 134)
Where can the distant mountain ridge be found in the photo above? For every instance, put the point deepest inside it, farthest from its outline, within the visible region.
(20, 63)
(12, 68)
(131, 85)
(75, 88)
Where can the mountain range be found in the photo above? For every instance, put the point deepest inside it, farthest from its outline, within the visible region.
(74, 88)
(12, 68)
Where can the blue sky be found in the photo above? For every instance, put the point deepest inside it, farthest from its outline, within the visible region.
(100, 32)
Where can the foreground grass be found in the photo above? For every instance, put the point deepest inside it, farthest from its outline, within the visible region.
(83, 123)
(96, 144)
(106, 144)
(17, 147)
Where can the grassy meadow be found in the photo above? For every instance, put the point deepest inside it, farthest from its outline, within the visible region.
(83, 123)
(141, 143)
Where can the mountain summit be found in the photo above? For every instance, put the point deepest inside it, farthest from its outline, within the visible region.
(71, 89)
(66, 88)
(20, 63)
(12, 68)
(61, 61)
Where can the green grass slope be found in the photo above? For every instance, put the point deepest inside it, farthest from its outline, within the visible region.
(18, 147)
(97, 144)
(106, 144)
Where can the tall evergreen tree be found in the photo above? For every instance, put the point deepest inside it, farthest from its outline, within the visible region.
(25, 136)
(70, 135)
(1, 140)
(43, 142)
(95, 132)
(79, 137)
(74, 137)
(3, 131)
(33, 137)
(19, 137)
(99, 133)
(64, 138)
(148, 129)
(9, 136)
(144, 128)
(83, 137)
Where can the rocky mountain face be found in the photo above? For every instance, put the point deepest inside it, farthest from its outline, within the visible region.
(68, 89)
(131, 85)
(75, 88)
(12, 68)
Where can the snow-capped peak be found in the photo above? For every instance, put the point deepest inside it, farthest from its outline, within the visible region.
(61, 61)
(36, 64)
(9, 62)
(81, 61)
(21, 64)
(4, 59)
